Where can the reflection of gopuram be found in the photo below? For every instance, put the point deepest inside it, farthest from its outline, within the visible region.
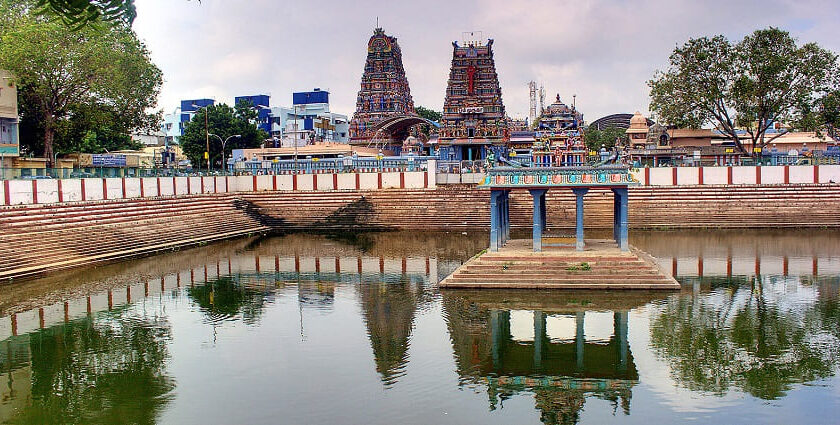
(389, 316)
(557, 363)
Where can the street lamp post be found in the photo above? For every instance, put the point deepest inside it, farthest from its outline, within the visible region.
(206, 133)
(224, 142)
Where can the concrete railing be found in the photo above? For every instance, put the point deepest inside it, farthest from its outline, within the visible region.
(46, 191)
(737, 175)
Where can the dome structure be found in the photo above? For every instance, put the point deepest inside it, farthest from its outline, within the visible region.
(638, 124)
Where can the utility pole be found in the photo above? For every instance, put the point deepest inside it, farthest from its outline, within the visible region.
(206, 139)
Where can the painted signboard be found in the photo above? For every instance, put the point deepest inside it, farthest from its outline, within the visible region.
(108, 160)
(549, 177)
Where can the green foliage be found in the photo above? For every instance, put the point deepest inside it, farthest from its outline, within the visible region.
(73, 82)
(582, 267)
(78, 13)
(765, 78)
(607, 137)
(428, 114)
(223, 121)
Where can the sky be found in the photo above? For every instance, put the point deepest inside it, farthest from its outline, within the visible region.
(602, 51)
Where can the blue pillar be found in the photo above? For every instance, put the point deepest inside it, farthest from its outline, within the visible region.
(621, 199)
(537, 194)
(579, 192)
(542, 213)
(494, 220)
(616, 214)
(507, 215)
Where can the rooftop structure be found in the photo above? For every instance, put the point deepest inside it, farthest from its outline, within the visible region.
(9, 139)
(384, 91)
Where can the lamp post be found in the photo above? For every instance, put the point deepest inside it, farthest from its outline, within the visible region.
(206, 134)
(224, 142)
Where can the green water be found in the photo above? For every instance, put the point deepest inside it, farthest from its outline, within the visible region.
(310, 330)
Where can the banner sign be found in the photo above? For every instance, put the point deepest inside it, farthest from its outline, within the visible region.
(108, 160)
(472, 110)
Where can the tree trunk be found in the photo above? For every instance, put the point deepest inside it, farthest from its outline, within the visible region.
(49, 134)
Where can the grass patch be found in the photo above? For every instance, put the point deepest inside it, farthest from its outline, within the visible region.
(583, 267)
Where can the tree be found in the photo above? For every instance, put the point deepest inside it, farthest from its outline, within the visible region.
(607, 137)
(744, 87)
(430, 115)
(78, 13)
(64, 74)
(223, 121)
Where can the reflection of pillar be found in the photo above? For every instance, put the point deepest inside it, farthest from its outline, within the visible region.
(539, 337)
(496, 336)
(620, 331)
(539, 198)
(579, 192)
(579, 340)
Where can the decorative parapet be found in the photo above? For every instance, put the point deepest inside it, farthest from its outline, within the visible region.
(608, 176)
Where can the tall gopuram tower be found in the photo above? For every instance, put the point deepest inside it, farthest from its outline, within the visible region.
(384, 92)
(473, 120)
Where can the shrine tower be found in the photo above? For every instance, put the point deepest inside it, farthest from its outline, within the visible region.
(473, 113)
(384, 92)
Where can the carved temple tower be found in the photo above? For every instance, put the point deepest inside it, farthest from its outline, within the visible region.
(384, 92)
(474, 119)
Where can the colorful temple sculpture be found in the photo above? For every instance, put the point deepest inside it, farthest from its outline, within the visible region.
(559, 138)
(384, 93)
(474, 122)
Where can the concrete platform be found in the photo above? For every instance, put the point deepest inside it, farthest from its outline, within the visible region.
(601, 265)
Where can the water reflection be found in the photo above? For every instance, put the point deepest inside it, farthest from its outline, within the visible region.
(759, 334)
(107, 368)
(753, 317)
(548, 354)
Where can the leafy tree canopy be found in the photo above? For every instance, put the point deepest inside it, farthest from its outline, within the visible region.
(607, 137)
(224, 122)
(428, 114)
(78, 13)
(73, 82)
(745, 86)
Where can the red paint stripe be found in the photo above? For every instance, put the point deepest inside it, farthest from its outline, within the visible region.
(60, 191)
(274, 183)
(700, 266)
(34, 191)
(647, 176)
(787, 174)
(379, 180)
(674, 175)
(425, 179)
(157, 181)
(358, 183)
(227, 186)
(816, 174)
(104, 188)
(700, 175)
(142, 189)
(757, 175)
(402, 180)
(189, 185)
(174, 186)
(84, 196)
(215, 183)
(255, 183)
(7, 195)
(315, 182)
(337, 265)
(202, 185)
(123, 187)
(335, 181)
(729, 175)
(294, 181)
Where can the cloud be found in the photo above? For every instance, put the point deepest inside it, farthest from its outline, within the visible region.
(602, 51)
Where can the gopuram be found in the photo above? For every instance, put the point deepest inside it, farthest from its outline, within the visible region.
(384, 93)
(558, 137)
(473, 120)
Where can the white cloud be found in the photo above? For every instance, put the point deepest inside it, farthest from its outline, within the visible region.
(603, 51)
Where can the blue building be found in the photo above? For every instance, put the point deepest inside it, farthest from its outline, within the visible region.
(260, 102)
